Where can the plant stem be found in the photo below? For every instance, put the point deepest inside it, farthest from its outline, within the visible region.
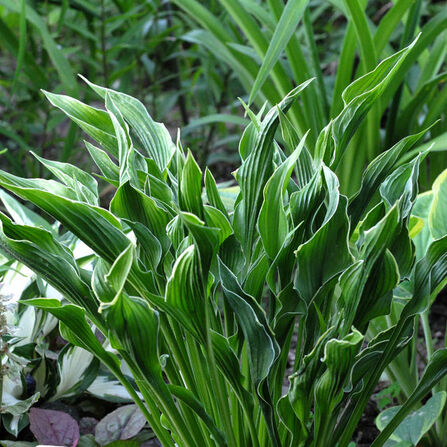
(219, 385)
(152, 416)
(160, 432)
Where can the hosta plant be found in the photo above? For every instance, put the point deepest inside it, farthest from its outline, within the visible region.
(204, 294)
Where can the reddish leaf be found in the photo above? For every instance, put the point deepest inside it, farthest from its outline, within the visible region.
(52, 427)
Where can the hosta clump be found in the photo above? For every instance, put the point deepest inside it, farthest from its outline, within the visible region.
(201, 290)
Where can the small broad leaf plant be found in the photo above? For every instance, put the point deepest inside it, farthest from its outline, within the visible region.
(204, 293)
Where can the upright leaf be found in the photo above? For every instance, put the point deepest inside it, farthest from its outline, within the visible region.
(272, 215)
(151, 137)
(287, 24)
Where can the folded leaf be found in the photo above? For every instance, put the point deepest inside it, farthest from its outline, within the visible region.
(153, 138)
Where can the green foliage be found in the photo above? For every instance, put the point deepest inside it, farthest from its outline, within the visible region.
(189, 59)
(201, 296)
(136, 46)
(428, 230)
(272, 45)
(416, 424)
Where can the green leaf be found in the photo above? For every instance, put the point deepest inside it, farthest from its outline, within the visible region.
(125, 146)
(421, 210)
(339, 357)
(120, 269)
(435, 371)
(304, 168)
(30, 68)
(429, 277)
(133, 330)
(214, 118)
(402, 186)
(217, 44)
(326, 252)
(150, 249)
(190, 188)
(109, 169)
(87, 441)
(377, 294)
(127, 443)
(284, 30)
(376, 172)
(216, 219)
(358, 98)
(116, 277)
(185, 291)
(417, 423)
(38, 250)
(305, 203)
(22, 46)
(255, 280)
(51, 186)
(131, 204)
(261, 345)
(303, 381)
(189, 399)
(151, 137)
(255, 172)
(428, 33)
(374, 240)
(76, 330)
(84, 184)
(21, 214)
(228, 362)
(55, 53)
(212, 193)
(351, 284)
(206, 239)
(98, 228)
(272, 221)
(436, 144)
(94, 122)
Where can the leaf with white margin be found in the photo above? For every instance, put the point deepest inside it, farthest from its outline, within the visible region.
(107, 388)
(77, 368)
(150, 136)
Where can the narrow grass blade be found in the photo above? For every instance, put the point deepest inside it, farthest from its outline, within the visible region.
(288, 22)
